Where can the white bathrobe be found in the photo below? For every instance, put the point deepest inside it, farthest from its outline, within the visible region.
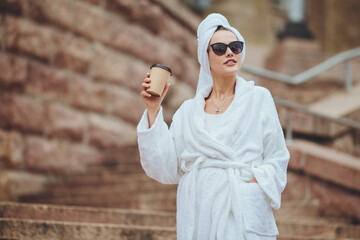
(213, 174)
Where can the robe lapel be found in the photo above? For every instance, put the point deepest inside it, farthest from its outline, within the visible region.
(229, 133)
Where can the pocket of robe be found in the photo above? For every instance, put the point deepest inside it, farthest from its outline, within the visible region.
(258, 214)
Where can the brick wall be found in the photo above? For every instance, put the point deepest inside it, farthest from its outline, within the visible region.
(70, 78)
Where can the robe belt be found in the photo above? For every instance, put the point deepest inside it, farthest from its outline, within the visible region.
(246, 175)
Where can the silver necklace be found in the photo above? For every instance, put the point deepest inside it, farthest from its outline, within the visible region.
(218, 107)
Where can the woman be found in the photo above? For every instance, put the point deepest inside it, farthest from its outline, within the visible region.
(225, 147)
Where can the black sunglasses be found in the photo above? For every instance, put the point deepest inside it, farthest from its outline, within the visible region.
(220, 48)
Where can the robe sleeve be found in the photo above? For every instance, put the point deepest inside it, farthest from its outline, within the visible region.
(157, 150)
(271, 174)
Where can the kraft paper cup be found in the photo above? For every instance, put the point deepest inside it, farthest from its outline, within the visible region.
(159, 74)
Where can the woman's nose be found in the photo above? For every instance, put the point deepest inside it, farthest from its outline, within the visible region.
(229, 53)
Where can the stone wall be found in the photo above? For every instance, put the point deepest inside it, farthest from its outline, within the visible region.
(70, 78)
(333, 23)
(326, 177)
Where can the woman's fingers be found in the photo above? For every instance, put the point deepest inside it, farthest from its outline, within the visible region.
(145, 86)
(166, 89)
(145, 94)
(253, 180)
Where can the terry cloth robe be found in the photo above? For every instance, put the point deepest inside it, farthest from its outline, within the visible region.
(213, 174)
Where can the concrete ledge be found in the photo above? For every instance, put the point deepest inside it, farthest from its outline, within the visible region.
(307, 124)
(326, 176)
(326, 164)
(87, 214)
(316, 228)
(54, 230)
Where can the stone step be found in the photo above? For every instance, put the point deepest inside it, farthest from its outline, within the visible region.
(325, 163)
(102, 177)
(159, 200)
(104, 188)
(87, 214)
(118, 167)
(297, 208)
(108, 189)
(340, 104)
(317, 228)
(291, 237)
(101, 219)
(310, 125)
(54, 230)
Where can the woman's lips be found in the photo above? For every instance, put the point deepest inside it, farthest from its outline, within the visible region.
(230, 62)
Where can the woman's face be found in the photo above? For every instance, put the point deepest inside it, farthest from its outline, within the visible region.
(228, 64)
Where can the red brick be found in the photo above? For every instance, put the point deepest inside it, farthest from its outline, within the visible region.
(72, 52)
(321, 126)
(92, 22)
(302, 122)
(190, 71)
(16, 183)
(137, 73)
(85, 19)
(110, 133)
(52, 11)
(118, 68)
(22, 112)
(297, 160)
(13, 70)
(296, 187)
(15, 7)
(171, 29)
(125, 37)
(178, 93)
(336, 201)
(101, 3)
(87, 95)
(47, 82)
(5, 191)
(330, 165)
(345, 144)
(51, 156)
(3, 144)
(126, 104)
(124, 7)
(11, 148)
(127, 155)
(29, 37)
(158, 21)
(64, 122)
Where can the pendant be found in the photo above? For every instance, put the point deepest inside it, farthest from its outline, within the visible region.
(217, 111)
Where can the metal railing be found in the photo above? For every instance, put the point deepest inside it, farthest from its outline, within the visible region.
(301, 108)
(346, 57)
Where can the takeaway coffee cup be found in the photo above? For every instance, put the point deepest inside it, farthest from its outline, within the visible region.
(159, 74)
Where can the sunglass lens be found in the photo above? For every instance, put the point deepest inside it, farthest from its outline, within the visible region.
(236, 47)
(219, 48)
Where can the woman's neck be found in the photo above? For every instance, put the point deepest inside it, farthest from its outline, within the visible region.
(223, 87)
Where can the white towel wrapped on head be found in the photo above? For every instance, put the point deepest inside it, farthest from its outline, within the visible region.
(205, 32)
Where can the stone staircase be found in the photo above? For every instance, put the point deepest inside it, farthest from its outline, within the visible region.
(137, 207)
(295, 220)
(104, 187)
(33, 221)
(340, 104)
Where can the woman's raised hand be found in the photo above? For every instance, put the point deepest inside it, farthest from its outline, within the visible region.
(152, 103)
